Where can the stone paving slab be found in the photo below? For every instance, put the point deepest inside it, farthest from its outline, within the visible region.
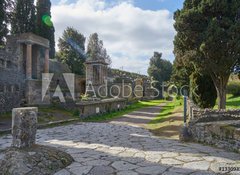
(126, 148)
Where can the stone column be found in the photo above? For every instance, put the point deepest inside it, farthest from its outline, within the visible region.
(29, 62)
(46, 64)
(24, 127)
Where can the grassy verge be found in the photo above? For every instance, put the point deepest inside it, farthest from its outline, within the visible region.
(169, 121)
(167, 110)
(232, 102)
(46, 115)
(130, 108)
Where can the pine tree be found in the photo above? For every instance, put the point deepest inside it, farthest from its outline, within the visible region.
(159, 69)
(96, 50)
(72, 50)
(45, 26)
(23, 17)
(3, 25)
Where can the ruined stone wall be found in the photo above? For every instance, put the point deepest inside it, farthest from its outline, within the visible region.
(196, 114)
(91, 108)
(11, 76)
(215, 127)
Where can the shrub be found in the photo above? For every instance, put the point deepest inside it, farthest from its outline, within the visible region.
(233, 88)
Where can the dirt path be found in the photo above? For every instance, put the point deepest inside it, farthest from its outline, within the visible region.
(139, 118)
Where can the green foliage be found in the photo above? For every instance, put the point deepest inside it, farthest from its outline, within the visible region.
(70, 55)
(181, 73)
(203, 91)
(208, 39)
(233, 88)
(125, 74)
(159, 69)
(3, 21)
(44, 26)
(23, 17)
(76, 113)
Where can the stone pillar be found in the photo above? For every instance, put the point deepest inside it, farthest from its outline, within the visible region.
(29, 62)
(24, 127)
(46, 63)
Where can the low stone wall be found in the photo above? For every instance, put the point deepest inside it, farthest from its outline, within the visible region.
(91, 108)
(196, 114)
(216, 127)
(223, 134)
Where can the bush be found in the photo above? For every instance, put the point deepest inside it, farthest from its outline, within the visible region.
(233, 88)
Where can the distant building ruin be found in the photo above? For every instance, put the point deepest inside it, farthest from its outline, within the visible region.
(22, 63)
(26, 57)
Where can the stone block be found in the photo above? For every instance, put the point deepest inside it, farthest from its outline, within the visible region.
(24, 126)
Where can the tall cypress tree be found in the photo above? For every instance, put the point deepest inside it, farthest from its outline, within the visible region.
(5, 7)
(3, 25)
(45, 26)
(23, 17)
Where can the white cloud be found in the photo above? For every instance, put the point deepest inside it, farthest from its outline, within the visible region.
(130, 34)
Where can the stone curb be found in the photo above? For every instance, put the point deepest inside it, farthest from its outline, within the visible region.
(42, 126)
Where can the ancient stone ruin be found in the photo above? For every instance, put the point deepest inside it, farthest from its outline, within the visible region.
(25, 59)
(26, 157)
(22, 63)
(215, 127)
(24, 127)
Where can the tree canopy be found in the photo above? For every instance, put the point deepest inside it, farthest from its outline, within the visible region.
(69, 54)
(5, 8)
(23, 17)
(159, 69)
(44, 26)
(208, 38)
(96, 50)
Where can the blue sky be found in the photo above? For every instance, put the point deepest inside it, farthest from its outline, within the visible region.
(171, 5)
(130, 29)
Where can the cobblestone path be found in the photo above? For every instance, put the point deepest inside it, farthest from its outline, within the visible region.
(124, 147)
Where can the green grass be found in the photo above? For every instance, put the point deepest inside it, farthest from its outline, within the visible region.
(167, 110)
(130, 108)
(232, 102)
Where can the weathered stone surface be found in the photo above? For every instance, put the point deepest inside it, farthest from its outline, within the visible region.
(46, 160)
(122, 165)
(80, 170)
(151, 170)
(96, 162)
(127, 173)
(24, 127)
(63, 172)
(170, 161)
(200, 165)
(102, 170)
(188, 158)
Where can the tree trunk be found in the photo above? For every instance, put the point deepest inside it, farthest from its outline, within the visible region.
(221, 87)
(221, 92)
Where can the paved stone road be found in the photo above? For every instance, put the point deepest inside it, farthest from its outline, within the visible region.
(122, 147)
